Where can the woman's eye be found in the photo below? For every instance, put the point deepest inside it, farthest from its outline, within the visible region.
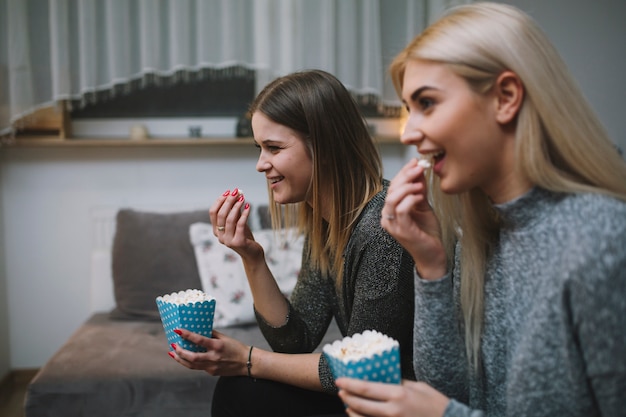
(269, 148)
(426, 103)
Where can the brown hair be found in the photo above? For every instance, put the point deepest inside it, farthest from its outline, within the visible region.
(347, 169)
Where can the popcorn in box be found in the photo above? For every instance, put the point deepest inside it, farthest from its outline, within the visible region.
(192, 310)
(371, 356)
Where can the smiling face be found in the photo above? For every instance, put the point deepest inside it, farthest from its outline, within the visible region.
(460, 129)
(284, 159)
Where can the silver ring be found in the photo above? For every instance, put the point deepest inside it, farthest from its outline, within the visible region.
(220, 228)
(389, 216)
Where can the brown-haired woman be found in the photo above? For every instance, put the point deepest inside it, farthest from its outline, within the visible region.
(324, 176)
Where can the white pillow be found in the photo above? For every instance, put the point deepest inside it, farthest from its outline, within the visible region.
(222, 274)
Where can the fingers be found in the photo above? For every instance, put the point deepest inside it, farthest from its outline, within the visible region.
(224, 355)
(411, 398)
(227, 211)
(406, 195)
(195, 360)
(375, 391)
(367, 398)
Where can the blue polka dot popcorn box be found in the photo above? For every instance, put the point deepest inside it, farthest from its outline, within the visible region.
(191, 310)
(371, 356)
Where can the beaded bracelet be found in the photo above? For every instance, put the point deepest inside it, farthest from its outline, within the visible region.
(249, 363)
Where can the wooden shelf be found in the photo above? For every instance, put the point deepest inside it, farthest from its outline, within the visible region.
(50, 127)
(44, 141)
(55, 141)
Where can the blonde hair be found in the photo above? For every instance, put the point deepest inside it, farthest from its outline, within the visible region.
(560, 143)
(347, 168)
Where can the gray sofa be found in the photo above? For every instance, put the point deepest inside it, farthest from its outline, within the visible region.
(116, 363)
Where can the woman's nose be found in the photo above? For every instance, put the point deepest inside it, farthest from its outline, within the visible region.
(262, 164)
(412, 134)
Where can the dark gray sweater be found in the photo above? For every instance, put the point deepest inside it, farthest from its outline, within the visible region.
(377, 293)
(554, 340)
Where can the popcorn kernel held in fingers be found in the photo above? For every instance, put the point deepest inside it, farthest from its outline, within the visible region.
(424, 163)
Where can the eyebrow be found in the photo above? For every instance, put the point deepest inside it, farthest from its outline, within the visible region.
(270, 140)
(415, 94)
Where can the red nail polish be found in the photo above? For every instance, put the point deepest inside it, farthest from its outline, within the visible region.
(240, 199)
(173, 345)
(171, 354)
(226, 193)
(247, 206)
(235, 192)
(178, 332)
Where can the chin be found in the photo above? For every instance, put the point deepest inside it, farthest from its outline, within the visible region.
(451, 189)
(282, 200)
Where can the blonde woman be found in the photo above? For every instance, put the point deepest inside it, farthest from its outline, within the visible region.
(324, 177)
(519, 236)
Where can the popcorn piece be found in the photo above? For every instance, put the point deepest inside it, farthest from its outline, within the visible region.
(186, 297)
(360, 345)
(424, 163)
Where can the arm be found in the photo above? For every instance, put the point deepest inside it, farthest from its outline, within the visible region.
(597, 302)
(310, 311)
(602, 335)
(439, 351)
(228, 357)
(438, 346)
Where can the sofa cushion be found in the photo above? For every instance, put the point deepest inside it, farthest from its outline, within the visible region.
(222, 274)
(152, 256)
(121, 368)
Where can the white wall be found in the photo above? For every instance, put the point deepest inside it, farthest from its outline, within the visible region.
(46, 194)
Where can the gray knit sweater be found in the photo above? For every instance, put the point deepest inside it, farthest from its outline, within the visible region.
(554, 340)
(377, 293)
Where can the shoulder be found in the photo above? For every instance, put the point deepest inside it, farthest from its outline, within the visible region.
(592, 214)
(368, 235)
(592, 231)
(369, 220)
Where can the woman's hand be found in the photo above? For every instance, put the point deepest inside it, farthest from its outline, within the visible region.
(375, 399)
(229, 216)
(224, 356)
(408, 217)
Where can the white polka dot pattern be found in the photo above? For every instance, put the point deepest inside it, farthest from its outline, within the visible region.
(196, 317)
(381, 367)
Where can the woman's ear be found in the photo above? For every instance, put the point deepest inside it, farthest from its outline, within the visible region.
(510, 95)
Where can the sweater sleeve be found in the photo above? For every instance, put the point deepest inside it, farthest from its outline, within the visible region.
(597, 304)
(439, 346)
(310, 314)
(311, 308)
(456, 409)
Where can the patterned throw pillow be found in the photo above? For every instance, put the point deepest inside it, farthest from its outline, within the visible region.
(222, 274)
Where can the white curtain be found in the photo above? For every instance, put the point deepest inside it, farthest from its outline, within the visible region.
(53, 50)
